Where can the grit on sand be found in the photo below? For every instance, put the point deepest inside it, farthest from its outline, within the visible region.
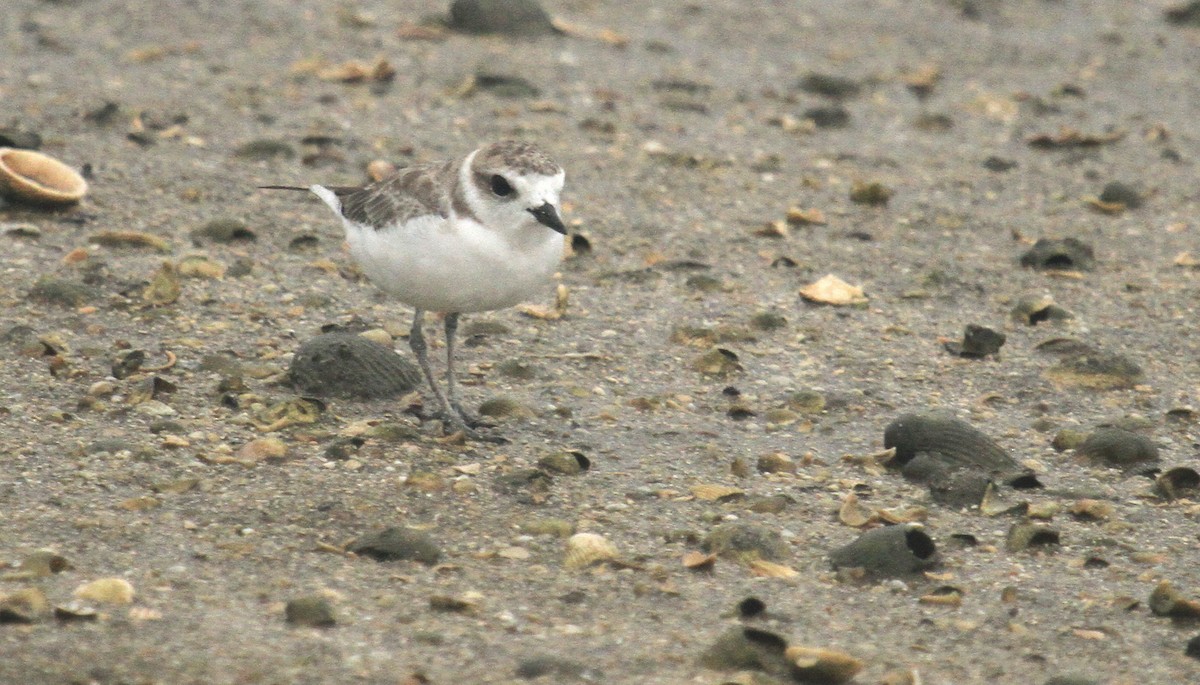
(687, 131)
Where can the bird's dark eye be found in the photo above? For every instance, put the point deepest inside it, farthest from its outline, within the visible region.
(500, 186)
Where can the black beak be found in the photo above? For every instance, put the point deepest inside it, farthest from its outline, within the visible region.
(548, 217)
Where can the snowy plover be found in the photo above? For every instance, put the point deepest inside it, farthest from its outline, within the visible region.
(472, 235)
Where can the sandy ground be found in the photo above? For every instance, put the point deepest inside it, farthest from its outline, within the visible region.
(682, 129)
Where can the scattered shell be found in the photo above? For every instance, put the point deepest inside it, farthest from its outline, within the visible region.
(716, 493)
(805, 217)
(954, 444)
(38, 179)
(1178, 482)
(742, 648)
(889, 551)
(1093, 509)
(769, 569)
(61, 292)
(262, 449)
(24, 606)
(745, 542)
(776, 462)
(311, 610)
(223, 231)
(978, 342)
(833, 291)
(398, 544)
(870, 193)
(586, 549)
(1025, 534)
(1060, 254)
(1096, 370)
(107, 591)
(341, 364)
(566, 463)
(718, 362)
(818, 664)
(1118, 447)
(854, 514)
(699, 561)
(1034, 309)
(946, 595)
(505, 408)
(198, 266)
(39, 564)
(164, 287)
(129, 239)
(1167, 601)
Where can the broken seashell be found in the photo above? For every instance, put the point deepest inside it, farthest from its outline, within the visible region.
(817, 664)
(39, 179)
(586, 549)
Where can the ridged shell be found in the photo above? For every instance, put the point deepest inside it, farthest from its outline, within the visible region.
(348, 365)
(585, 549)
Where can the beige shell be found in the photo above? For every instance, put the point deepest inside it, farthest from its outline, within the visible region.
(35, 178)
(585, 549)
(824, 665)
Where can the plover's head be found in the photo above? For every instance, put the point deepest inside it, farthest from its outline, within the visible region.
(514, 185)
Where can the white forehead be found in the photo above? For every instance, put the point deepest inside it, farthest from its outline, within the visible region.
(539, 186)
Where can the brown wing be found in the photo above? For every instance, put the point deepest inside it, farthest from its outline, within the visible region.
(409, 193)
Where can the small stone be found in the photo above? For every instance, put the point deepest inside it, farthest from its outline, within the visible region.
(313, 610)
(870, 193)
(223, 231)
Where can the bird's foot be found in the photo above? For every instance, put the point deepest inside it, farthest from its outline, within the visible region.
(455, 425)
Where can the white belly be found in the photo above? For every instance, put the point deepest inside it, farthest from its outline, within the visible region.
(431, 265)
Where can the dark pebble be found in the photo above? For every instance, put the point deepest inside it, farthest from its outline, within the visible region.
(223, 231)
(25, 140)
(559, 668)
(745, 542)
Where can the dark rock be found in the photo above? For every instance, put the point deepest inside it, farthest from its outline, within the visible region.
(313, 610)
(837, 87)
(745, 542)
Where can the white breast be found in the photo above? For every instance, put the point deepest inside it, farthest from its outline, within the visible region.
(441, 265)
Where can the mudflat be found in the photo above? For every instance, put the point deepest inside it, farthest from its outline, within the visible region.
(721, 157)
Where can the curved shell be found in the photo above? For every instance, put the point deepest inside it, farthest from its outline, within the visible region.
(585, 549)
(35, 178)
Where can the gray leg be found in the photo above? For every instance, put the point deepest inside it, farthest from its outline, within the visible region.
(416, 341)
(451, 378)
